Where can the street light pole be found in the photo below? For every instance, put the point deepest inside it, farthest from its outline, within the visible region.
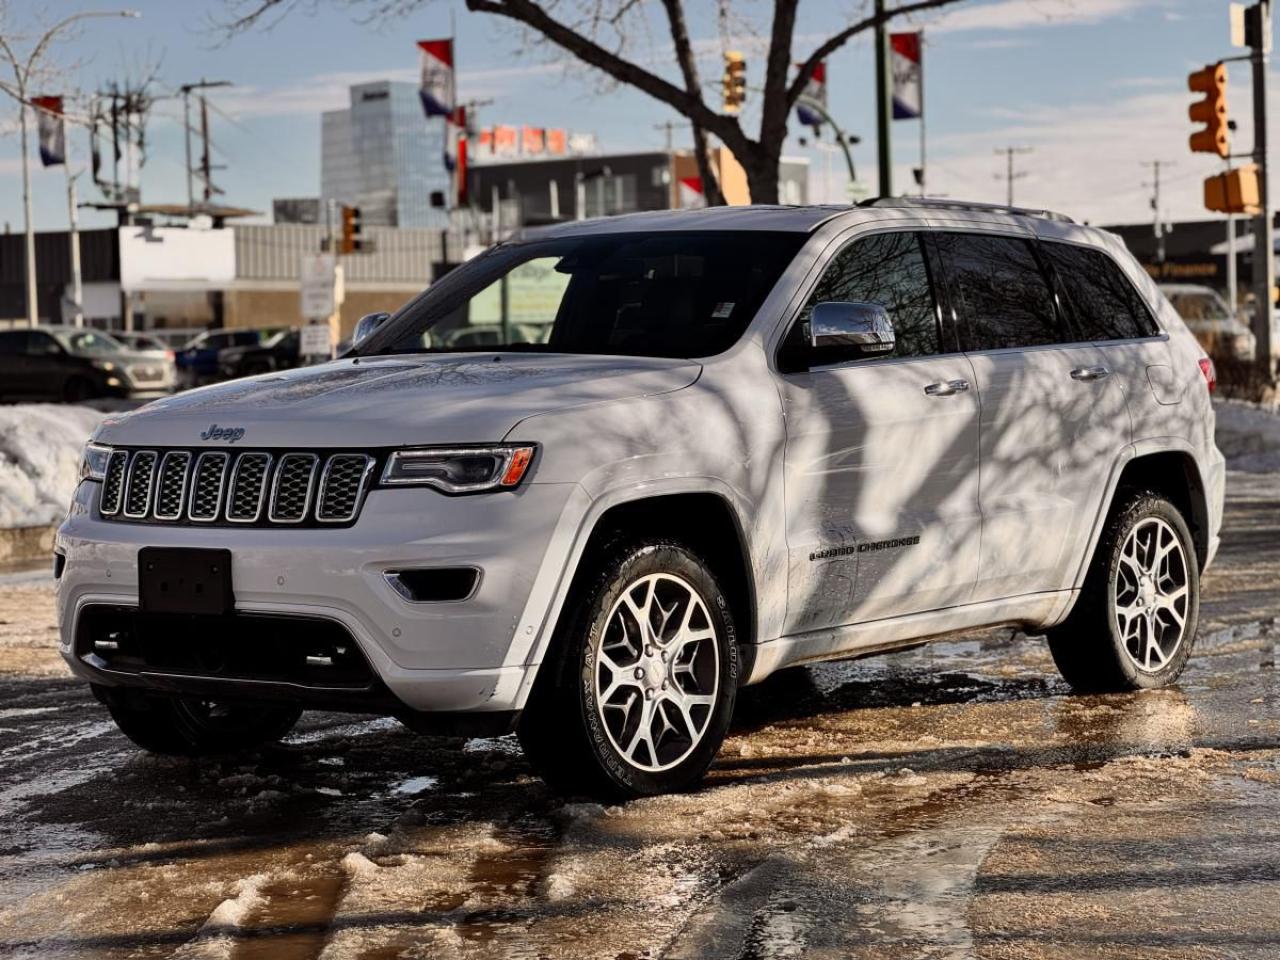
(22, 72)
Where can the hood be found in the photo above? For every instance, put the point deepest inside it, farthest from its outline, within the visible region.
(125, 357)
(395, 401)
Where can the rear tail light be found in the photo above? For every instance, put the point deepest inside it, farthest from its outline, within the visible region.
(1210, 373)
(170, 356)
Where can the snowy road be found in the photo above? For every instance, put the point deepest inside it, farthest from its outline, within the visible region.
(950, 802)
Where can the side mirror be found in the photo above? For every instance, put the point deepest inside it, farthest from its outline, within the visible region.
(367, 325)
(861, 328)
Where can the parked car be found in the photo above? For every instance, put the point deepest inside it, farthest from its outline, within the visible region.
(198, 360)
(277, 352)
(143, 341)
(754, 438)
(1207, 315)
(76, 364)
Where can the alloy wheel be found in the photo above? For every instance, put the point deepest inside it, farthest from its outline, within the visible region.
(1152, 594)
(657, 672)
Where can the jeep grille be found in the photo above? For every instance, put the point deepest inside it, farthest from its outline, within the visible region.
(223, 488)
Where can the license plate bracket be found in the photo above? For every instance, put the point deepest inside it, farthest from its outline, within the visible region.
(185, 580)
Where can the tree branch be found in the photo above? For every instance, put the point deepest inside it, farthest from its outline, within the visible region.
(689, 69)
(833, 44)
(587, 50)
(773, 115)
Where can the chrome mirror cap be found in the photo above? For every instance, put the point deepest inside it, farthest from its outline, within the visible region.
(864, 327)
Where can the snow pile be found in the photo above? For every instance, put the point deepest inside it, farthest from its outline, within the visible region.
(1248, 435)
(40, 447)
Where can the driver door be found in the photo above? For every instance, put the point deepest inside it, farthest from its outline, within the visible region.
(881, 460)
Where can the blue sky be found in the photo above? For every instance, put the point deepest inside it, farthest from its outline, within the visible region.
(1093, 86)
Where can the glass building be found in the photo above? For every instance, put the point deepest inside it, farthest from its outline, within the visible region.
(384, 156)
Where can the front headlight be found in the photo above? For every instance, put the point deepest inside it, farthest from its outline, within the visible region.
(105, 365)
(460, 469)
(93, 462)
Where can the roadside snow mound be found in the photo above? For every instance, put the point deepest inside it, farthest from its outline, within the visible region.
(1248, 436)
(40, 448)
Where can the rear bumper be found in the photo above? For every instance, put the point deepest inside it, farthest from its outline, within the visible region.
(455, 656)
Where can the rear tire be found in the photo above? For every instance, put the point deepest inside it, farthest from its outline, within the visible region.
(1135, 621)
(189, 727)
(637, 692)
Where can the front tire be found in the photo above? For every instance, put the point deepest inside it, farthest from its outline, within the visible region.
(637, 693)
(189, 727)
(1135, 620)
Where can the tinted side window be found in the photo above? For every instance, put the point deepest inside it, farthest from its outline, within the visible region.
(42, 345)
(1102, 301)
(1002, 298)
(888, 269)
(13, 342)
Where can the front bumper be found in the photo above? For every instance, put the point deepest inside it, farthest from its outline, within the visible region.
(470, 655)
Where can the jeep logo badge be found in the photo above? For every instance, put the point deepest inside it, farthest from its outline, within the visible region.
(229, 434)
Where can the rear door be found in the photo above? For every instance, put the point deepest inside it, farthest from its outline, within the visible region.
(1053, 416)
(1108, 310)
(48, 365)
(881, 482)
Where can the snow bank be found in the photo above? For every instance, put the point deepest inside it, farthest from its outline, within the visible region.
(1248, 435)
(40, 447)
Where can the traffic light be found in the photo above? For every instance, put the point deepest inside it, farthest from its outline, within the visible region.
(1211, 110)
(735, 81)
(1235, 191)
(351, 241)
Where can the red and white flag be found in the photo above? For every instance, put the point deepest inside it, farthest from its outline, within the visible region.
(437, 90)
(815, 89)
(908, 85)
(691, 193)
(53, 130)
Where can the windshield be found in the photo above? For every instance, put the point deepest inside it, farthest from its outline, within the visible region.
(645, 295)
(89, 341)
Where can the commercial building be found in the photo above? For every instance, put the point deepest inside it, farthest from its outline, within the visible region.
(382, 155)
(1194, 251)
(547, 189)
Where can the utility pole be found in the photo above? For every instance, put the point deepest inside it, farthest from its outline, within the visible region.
(1157, 223)
(1258, 30)
(1009, 176)
(186, 90)
(884, 103)
(77, 288)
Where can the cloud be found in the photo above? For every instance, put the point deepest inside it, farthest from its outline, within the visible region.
(1025, 14)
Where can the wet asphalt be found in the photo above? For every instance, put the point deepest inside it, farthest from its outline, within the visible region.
(955, 801)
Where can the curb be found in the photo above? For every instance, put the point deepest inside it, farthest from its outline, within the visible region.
(23, 546)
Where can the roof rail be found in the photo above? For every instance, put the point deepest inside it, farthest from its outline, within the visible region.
(934, 203)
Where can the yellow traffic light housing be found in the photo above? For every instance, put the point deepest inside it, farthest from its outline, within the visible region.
(1235, 191)
(1211, 110)
(351, 228)
(734, 81)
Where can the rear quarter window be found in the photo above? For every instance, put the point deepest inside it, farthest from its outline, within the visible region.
(1102, 302)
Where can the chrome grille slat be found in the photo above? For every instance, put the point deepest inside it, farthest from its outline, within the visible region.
(171, 488)
(137, 489)
(292, 487)
(342, 486)
(207, 480)
(113, 483)
(228, 487)
(247, 490)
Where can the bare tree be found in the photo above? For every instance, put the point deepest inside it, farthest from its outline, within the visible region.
(593, 32)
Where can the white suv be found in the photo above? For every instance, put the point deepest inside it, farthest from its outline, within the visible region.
(697, 448)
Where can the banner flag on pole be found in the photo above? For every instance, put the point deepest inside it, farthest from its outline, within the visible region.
(908, 103)
(53, 130)
(815, 89)
(437, 89)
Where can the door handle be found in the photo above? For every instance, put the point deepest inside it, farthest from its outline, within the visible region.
(1088, 374)
(946, 388)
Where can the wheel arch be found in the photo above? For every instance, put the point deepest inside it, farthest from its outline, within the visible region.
(705, 519)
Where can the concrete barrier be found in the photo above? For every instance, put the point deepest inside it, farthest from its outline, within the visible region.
(26, 546)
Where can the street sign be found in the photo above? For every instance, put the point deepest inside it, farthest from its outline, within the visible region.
(316, 341)
(321, 286)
